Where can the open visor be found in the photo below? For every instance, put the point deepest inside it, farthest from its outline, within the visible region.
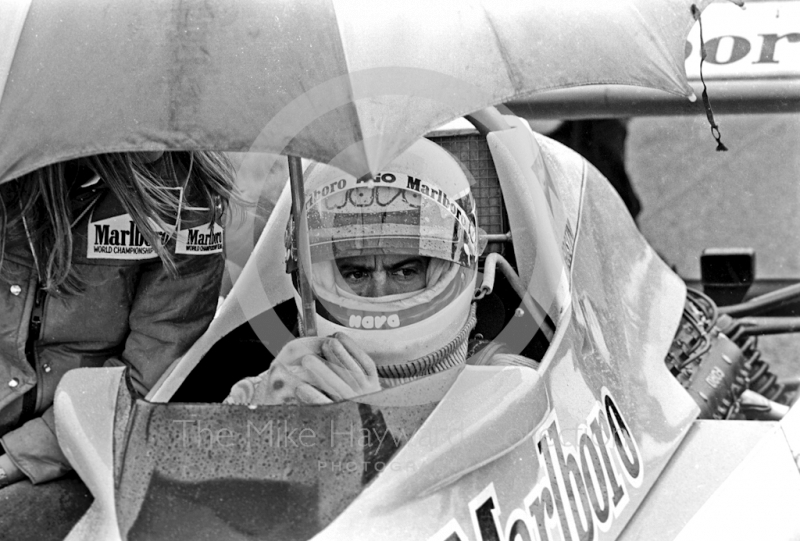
(383, 220)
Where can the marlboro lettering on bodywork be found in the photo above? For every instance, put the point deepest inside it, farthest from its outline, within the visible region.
(118, 237)
(584, 484)
(200, 240)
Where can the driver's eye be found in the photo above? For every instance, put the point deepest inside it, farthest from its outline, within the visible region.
(354, 276)
(406, 273)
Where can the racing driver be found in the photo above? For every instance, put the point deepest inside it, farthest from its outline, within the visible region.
(394, 264)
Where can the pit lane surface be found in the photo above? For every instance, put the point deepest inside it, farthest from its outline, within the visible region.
(694, 198)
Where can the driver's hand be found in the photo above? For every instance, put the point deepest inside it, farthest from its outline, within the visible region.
(317, 370)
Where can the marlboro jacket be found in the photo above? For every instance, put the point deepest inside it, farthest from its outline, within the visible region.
(132, 313)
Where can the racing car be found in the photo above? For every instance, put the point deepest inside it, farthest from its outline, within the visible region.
(644, 387)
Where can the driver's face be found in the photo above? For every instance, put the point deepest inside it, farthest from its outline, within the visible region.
(381, 275)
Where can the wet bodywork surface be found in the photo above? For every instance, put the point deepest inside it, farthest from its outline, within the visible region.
(211, 471)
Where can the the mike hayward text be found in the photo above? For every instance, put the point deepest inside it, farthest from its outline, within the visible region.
(279, 434)
(284, 434)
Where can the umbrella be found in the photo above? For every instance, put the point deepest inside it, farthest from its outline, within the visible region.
(349, 82)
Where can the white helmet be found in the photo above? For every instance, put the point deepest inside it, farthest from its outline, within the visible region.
(419, 204)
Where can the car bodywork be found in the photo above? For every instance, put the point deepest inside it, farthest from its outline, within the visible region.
(598, 442)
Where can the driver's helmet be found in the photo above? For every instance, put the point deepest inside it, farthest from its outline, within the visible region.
(419, 204)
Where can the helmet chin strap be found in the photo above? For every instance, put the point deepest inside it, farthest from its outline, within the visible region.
(454, 353)
(451, 355)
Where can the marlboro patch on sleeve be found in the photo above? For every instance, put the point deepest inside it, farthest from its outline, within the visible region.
(117, 237)
(200, 240)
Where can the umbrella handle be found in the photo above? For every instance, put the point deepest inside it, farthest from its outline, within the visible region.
(303, 285)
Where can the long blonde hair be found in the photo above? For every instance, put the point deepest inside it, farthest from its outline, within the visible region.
(37, 206)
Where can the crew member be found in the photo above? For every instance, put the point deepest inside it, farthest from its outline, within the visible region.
(109, 260)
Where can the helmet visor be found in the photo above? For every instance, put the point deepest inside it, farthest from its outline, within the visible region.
(386, 220)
